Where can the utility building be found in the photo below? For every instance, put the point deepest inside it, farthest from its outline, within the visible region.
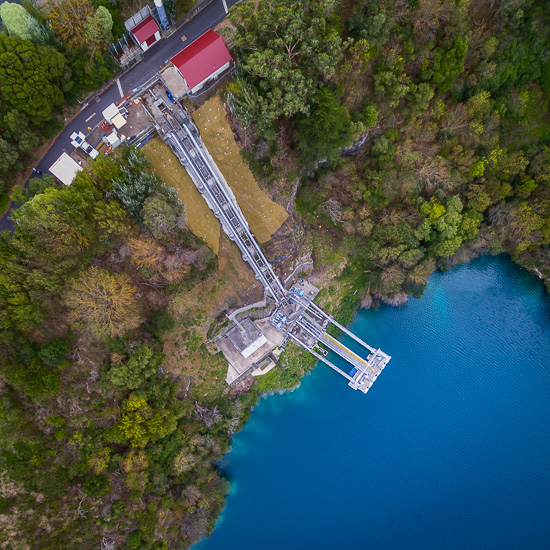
(147, 33)
(65, 169)
(143, 28)
(203, 60)
(247, 338)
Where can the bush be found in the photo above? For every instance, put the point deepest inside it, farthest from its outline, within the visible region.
(54, 352)
(35, 379)
(56, 421)
(134, 540)
(160, 322)
(61, 434)
(96, 486)
(5, 504)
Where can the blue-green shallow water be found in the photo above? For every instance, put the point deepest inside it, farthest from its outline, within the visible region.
(449, 449)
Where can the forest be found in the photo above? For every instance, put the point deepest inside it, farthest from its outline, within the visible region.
(407, 136)
(100, 446)
(418, 131)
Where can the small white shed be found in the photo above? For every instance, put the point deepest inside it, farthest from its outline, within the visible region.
(65, 169)
(112, 115)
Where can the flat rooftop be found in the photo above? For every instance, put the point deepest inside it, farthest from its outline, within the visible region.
(246, 337)
(238, 364)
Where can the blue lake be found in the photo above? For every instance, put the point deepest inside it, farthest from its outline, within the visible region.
(449, 449)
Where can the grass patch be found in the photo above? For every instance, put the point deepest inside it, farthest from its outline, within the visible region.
(294, 363)
(196, 310)
(200, 219)
(263, 215)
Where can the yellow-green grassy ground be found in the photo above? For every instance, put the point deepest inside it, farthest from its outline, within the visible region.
(194, 311)
(200, 219)
(263, 215)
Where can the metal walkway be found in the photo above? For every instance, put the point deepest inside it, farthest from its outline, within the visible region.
(301, 319)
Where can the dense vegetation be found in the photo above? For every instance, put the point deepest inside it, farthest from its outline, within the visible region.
(98, 444)
(419, 135)
(449, 103)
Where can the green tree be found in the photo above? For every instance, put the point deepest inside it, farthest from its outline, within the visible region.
(369, 116)
(19, 22)
(419, 97)
(140, 423)
(390, 80)
(99, 26)
(55, 351)
(287, 46)
(448, 247)
(33, 77)
(112, 221)
(8, 157)
(142, 364)
(35, 378)
(36, 186)
(96, 486)
(160, 216)
(326, 129)
(99, 460)
(448, 63)
(369, 22)
(135, 184)
(17, 125)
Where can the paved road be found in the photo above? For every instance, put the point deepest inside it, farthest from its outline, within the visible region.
(153, 59)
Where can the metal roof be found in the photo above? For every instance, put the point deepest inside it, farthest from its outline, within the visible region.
(147, 28)
(65, 169)
(201, 58)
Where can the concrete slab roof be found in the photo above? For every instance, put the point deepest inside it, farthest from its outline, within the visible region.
(246, 337)
(65, 169)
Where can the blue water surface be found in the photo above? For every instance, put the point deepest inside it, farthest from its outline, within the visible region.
(449, 449)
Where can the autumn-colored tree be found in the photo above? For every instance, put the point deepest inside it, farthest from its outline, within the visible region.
(135, 460)
(104, 303)
(68, 19)
(147, 253)
(185, 461)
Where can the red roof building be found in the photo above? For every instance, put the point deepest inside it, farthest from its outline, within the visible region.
(204, 59)
(146, 33)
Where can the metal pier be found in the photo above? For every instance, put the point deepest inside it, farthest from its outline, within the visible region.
(296, 314)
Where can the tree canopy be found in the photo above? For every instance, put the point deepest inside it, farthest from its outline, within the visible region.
(286, 47)
(19, 22)
(32, 77)
(103, 303)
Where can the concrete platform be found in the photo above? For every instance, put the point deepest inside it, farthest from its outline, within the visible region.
(174, 81)
(239, 365)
